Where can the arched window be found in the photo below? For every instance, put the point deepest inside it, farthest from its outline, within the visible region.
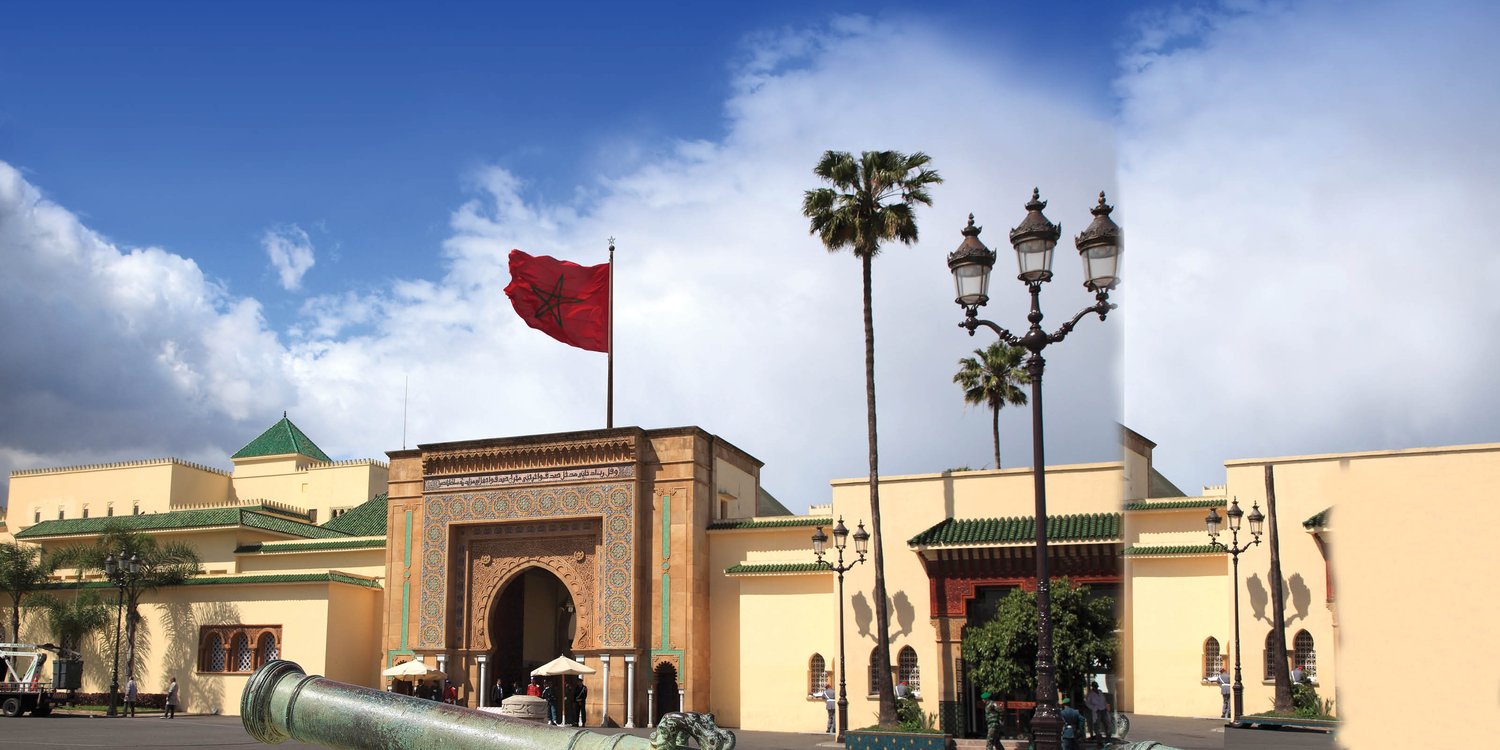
(874, 670)
(214, 659)
(817, 674)
(1271, 657)
(266, 650)
(1213, 660)
(906, 669)
(1303, 653)
(244, 658)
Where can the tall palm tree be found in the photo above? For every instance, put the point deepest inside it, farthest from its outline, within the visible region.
(993, 377)
(162, 564)
(872, 200)
(23, 570)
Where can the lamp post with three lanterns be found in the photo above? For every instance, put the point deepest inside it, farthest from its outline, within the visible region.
(861, 547)
(121, 572)
(1234, 549)
(1099, 247)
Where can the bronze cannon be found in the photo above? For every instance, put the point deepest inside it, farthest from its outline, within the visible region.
(281, 702)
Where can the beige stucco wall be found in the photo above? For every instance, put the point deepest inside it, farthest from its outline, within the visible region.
(155, 485)
(1173, 605)
(760, 642)
(320, 487)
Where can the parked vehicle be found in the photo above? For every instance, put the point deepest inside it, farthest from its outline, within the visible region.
(23, 689)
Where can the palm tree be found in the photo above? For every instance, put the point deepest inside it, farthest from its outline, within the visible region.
(993, 377)
(23, 570)
(86, 613)
(872, 201)
(162, 564)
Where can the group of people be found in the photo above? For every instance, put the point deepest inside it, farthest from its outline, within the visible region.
(133, 696)
(1098, 725)
(538, 687)
(446, 692)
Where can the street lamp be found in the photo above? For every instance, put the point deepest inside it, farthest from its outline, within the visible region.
(121, 572)
(1234, 549)
(861, 547)
(1099, 248)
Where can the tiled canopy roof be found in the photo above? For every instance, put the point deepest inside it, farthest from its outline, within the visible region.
(311, 546)
(332, 576)
(776, 523)
(1318, 521)
(1174, 549)
(1191, 502)
(246, 515)
(365, 519)
(1019, 529)
(752, 568)
(283, 437)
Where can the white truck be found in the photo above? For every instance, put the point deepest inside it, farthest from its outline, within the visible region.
(23, 689)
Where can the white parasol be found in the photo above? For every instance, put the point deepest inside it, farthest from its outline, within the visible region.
(413, 668)
(562, 665)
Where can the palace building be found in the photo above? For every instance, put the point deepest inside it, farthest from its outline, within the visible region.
(656, 557)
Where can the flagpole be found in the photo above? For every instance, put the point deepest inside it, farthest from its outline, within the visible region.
(609, 416)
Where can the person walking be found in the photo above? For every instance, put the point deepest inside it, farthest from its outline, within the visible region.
(1098, 708)
(994, 720)
(132, 693)
(1223, 681)
(826, 693)
(450, 693)
(171, 705)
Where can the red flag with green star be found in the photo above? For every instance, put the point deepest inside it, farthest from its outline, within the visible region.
(562, 299)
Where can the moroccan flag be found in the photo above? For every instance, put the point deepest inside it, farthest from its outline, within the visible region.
(564, 300)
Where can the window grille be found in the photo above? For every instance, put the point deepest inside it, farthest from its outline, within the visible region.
(817, 674)
(874, 671)
(1304, 655)
(1271, 657)
(268, 650)
(906, 668)
(244, 658)
(216, 656)
(1213, 660)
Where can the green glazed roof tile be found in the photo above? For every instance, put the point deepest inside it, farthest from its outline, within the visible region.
(1193, 502)
(366, 519)
(1067, 528)
(282, 438)
(1179, 549)
(752, 568)
(246, 515)
(776, 523)
(332, 576)
(314, 546)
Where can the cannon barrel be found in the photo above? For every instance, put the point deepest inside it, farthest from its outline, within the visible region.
(281, 702)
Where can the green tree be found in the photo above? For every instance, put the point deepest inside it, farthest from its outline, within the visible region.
(1001, 654)
(993, 377)
(162, 564)
(74, 619)
(23, 570)
(872, 200)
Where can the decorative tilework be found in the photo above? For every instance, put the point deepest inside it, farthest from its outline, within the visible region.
(613, 502)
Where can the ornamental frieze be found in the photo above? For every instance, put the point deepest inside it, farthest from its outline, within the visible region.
(528, 478)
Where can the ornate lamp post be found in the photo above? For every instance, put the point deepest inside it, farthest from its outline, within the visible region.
(861, 547)
(1099, 247)
(121, 572)
(1234, 549)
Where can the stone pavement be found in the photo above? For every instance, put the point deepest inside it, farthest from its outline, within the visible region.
(187, 732)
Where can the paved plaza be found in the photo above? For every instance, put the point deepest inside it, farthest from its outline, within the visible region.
(64, 730)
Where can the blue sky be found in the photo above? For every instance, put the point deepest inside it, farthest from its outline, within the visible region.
(211, 213)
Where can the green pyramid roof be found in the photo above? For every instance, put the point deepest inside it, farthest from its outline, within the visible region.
(365, 519)
(282, 438)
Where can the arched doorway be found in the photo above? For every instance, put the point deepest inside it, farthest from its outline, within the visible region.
(667, 699)
(532, 622)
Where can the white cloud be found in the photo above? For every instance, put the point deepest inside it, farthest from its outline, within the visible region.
(729, 315)
(291, 254)
(1308, 266)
